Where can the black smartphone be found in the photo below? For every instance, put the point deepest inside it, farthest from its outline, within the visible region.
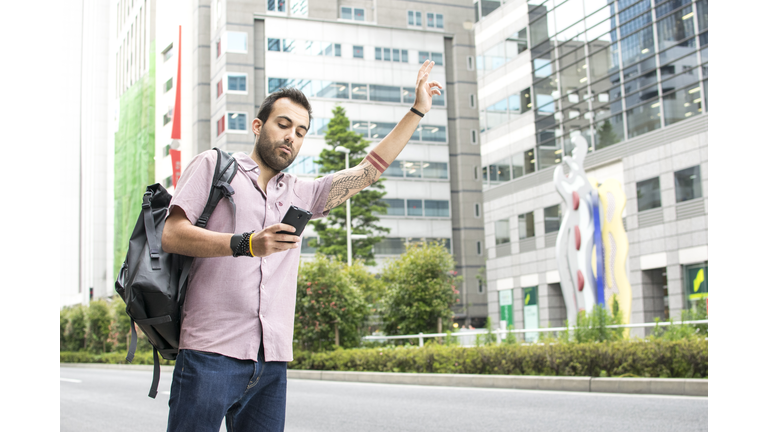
(297, 218)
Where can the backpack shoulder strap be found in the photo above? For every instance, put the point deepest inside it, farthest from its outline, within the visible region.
(226, 168)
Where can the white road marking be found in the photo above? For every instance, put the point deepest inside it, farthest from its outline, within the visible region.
(70, 380)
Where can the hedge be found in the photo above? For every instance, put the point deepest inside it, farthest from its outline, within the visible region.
(141, 358)
(686, 358)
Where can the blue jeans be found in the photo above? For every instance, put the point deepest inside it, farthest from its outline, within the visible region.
(207, 387)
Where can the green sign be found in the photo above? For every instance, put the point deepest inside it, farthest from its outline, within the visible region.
(505, 309)
(696, 283)
(531, 312)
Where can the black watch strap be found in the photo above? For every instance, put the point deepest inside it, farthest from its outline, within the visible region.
(234, 242)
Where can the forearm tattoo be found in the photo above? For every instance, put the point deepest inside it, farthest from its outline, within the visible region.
(349, 182)
(374, 159)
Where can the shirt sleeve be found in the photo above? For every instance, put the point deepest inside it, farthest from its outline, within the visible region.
(315, 192)
(194, 185)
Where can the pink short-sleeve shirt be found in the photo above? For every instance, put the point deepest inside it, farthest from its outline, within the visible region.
(233, 304)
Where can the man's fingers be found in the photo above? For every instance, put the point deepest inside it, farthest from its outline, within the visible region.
(281, 227)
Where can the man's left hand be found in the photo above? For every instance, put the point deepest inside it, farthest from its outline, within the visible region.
(425, 88)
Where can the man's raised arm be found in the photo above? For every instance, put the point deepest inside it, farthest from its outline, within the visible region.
(351, 181)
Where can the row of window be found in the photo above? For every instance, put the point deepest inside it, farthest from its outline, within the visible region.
(331, 49)
(416, 207)
(306, 165)
(687, 187)
(355, 91)
(417, 169)
(503, 52)
(510, 168)
(525, 225)
(434, 20)
(304, 47)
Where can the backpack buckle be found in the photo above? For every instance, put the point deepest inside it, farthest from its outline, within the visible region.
(146, 201)
(228, 190)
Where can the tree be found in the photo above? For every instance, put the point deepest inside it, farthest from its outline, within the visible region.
(328, 305)
(421, 289)
(606, 136)
(74, 331)
(98, 319)
(364, 205)
(372, 289)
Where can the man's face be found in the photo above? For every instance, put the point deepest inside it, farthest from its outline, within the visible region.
(279, 140)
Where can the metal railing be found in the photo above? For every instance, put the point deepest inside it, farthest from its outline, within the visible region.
(500, 332)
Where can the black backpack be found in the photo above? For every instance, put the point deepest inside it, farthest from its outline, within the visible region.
(152, 282)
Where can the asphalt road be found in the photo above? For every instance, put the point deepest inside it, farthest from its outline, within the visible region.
(116, 400)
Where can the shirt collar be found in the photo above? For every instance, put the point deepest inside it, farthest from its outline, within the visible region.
(245, 162)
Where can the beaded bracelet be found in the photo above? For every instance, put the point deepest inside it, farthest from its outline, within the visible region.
(241, 244)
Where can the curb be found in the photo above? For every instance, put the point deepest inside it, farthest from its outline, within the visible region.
(655, 386)
(651, 386)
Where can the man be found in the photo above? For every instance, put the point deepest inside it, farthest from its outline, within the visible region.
(237, 319)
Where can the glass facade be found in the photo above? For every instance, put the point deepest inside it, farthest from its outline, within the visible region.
(606, 70)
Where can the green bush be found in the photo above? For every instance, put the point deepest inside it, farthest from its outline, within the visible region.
(658, 358)
(421, 289)
(98, 320)
(73, 333)
(141, 358)
(683, 331)
(327, 299)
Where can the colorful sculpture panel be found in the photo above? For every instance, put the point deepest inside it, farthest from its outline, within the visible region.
(592, 246)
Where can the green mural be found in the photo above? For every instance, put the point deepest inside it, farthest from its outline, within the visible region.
(134, 156)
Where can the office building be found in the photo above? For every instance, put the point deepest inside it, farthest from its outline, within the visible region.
(631, 78)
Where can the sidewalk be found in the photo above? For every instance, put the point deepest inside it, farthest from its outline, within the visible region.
(657, 386)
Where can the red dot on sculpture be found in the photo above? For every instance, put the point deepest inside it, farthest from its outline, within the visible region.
(575, 200)
(581, 280)
(577, 234)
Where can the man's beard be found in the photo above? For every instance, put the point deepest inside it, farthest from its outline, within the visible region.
(271, 155)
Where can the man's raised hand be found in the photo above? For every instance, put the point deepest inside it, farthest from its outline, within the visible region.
(424, 88)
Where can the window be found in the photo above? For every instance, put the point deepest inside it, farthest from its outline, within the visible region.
(218, 48)
(390, 246)
(414, 18)
(220, 125)
(435, 170)
(168, 53)
(273, 44)
(276, 5)
(168, 117)
(382, 93)
(236, 121)
(299, 7)
(396, 207)
(415, 208)
(688, 184)
(434, 20)
(357, 51)
(219, 88)
(477, 210)
(501, 229)
(552, 219)
(473, 136)
(168, 85)
(356, 14)
(472, 101)
(480, 286)
(236, 83)
(237, 42)
(648, 194)
(479, 248)
(436, 208)
(390, 54)
(525, 225)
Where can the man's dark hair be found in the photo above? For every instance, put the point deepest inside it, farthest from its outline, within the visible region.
(292, 93)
